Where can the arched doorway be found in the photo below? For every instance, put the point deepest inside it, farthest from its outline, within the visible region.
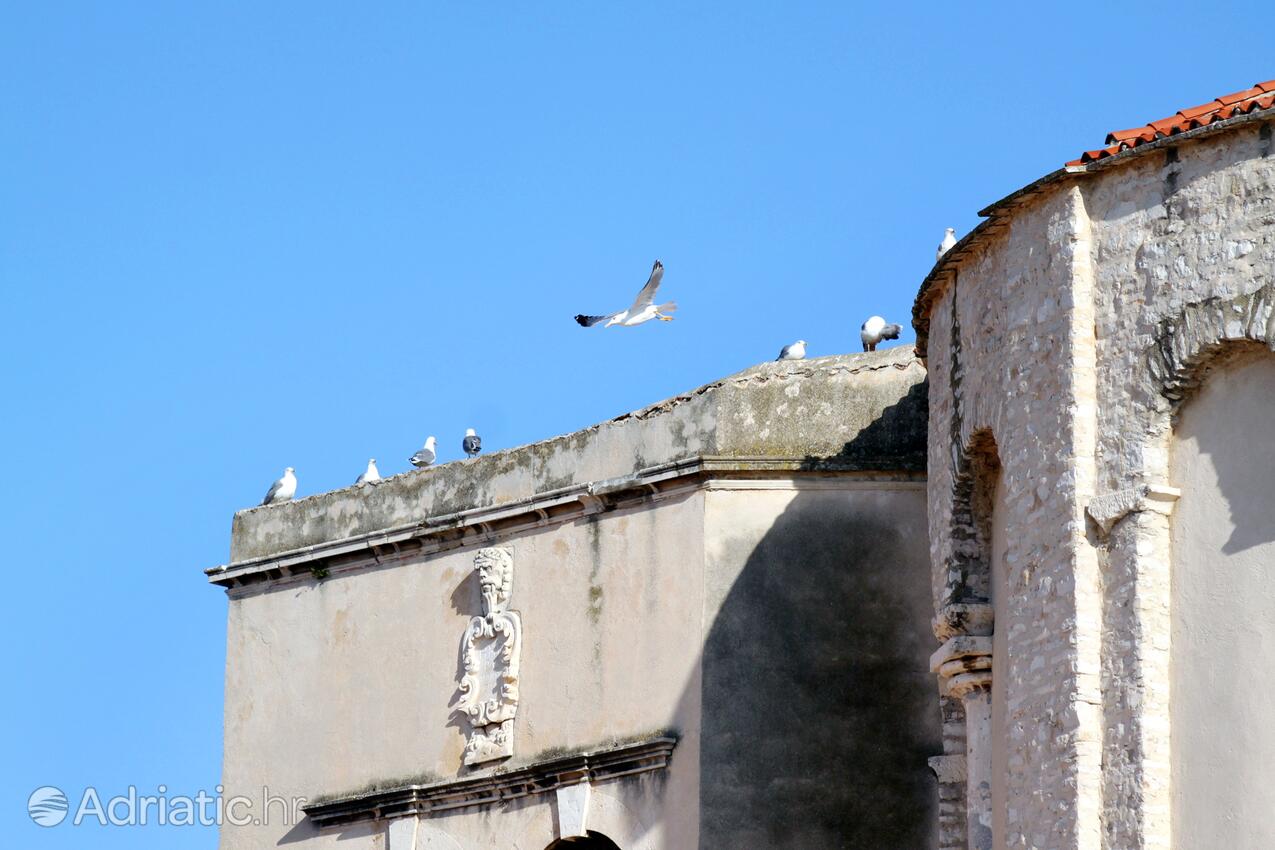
(592, 841)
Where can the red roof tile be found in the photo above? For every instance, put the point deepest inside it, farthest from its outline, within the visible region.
(1260, 96)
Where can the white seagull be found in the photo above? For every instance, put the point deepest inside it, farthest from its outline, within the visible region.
(643, 310)
(949, 239)
(472, 444)
(283, 489)
(370, 474)
(876, 329)
(796, 351)
(426, 455)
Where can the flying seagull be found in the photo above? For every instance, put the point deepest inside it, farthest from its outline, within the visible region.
(796, 351)
(370, 474)
(282, 490)
(875, 329)
(643, 310)
(472, 444)
(949, 239)
(425, 456)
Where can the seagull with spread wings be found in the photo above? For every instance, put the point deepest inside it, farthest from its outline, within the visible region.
(643, 310)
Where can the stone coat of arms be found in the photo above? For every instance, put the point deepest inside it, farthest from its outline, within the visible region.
(490, 652)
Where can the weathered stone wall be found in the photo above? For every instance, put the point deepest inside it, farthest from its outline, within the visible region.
(1065, 338)
(1183, 236)
(1000, 339)
(742, 567)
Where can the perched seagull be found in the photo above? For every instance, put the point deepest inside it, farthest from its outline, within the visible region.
(949, 239)
(472, 444)
(796, 351)
(283, 489)
(370, 474)
(875, 329)
(426, 455)
(643, 310)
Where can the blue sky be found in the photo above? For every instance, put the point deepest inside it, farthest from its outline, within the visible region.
(241, 236)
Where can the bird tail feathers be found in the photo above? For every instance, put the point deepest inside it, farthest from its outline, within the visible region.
(891, 331)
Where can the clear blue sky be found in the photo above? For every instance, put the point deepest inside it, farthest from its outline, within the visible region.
(235, 238)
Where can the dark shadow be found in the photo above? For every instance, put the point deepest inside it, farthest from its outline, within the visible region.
(466, 598)
(818, 708)
(593, 841)
(895, 441)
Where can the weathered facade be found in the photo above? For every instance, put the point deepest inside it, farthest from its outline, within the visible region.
(718, 622)
(701, 624)
(1095, 352)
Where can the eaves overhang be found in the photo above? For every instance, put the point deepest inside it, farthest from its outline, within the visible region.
(997, 216)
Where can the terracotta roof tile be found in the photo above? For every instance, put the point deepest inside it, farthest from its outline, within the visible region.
(1260, 96)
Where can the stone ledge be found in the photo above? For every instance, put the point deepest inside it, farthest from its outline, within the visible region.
(540, 778)
(1108, 509)
(864, 412)
(480, 526)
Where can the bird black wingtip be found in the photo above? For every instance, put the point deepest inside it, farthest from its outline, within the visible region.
(582, 320)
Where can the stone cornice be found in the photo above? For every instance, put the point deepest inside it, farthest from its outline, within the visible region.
(483, 526)
(540, 778)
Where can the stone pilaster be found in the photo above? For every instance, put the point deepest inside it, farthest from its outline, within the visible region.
(964, 666)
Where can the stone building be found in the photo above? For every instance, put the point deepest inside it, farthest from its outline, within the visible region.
(720, 621)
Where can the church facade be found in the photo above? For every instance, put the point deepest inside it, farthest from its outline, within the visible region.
(1006, 589)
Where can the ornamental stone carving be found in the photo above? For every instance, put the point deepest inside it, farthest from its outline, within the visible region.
(490, 652)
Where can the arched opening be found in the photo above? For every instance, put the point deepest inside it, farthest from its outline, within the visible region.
(978, 580)
(1222, 606)
(591, 841)
(998, 542)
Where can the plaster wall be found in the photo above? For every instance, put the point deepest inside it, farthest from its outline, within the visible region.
(1223, 610)
(336, 685)
(818, 709)
(743, 565)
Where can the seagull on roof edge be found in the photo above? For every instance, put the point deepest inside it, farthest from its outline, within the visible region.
(425, 456)
(283, 489)
(876, 329)
(949, 239)
(794, 351)
(370, 474)
(643, 309)
(472, 444)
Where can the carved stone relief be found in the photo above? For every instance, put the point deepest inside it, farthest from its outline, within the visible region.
(490, 652)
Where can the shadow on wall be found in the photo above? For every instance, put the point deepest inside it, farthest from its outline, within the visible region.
(893, 440)
(1231, 423)
(818, 710)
